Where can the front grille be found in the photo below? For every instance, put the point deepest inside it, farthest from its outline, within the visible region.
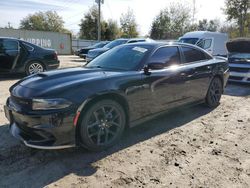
(244, 61)
(235, 78)
(239, 69)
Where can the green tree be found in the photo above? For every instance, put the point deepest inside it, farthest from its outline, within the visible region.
(111, 30)
(231, 29)
(88, 26)
(161, 25)
(171, 22)
(237, 10)
(205, 25)
(128, 24)
(43, 21)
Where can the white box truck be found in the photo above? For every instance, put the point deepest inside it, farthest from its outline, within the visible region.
(213, 42)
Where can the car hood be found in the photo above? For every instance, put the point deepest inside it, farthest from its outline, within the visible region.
(59, 80)
(238, 46)
(87, 48)
(100, 50)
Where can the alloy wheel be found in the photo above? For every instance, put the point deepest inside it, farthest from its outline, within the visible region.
(104, 125)
(35, 68)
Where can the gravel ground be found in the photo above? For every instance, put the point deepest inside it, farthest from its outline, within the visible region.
(194, 147)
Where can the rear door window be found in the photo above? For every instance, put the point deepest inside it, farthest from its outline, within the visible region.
(10, 45)
(167, 55)
(193, 55)
(1, 46)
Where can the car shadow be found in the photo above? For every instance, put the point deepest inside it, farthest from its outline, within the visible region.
(77, 59)
(60, 163)
(11, 76)
(237, 89)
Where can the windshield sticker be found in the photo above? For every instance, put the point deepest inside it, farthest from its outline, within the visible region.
(140, 49)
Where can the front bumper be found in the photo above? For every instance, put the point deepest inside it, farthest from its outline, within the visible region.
(83, 56)
(239, 77)
(239, 72)
(42, 131)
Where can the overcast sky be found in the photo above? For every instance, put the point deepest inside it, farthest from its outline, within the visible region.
(73, 10)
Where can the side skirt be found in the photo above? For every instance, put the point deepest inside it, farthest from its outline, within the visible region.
(153, 116)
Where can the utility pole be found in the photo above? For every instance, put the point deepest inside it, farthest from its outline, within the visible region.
(99, 2)
(194, 10)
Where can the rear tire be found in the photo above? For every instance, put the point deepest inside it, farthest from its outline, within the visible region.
(214, 93)
(34, 67)
(102, 125)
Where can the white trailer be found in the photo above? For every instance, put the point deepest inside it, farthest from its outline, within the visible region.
(213, 42)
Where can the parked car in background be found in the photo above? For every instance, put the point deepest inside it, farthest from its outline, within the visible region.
(84, 51)
(239, 60)
(96, 52)
(91, 106)
(20, 56)
(213, 42)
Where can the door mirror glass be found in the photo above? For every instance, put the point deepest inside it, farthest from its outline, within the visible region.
(156, 65)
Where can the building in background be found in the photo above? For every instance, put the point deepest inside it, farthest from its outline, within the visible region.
(61, 42)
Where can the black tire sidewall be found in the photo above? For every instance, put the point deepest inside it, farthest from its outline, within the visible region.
(208, 99)
(85, 140)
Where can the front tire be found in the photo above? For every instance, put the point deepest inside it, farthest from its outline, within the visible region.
(34, 67)
(214, 93)
(102, 125)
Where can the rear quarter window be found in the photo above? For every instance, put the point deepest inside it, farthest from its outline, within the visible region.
(193, 55)
(28, 47)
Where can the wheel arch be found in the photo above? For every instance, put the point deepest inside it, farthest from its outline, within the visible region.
(220, 77)
(35, 60)
(98, 97)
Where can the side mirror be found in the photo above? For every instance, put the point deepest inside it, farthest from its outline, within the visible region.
(156, 66)
(153, 66)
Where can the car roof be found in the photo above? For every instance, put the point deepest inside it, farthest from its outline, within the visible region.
(162, 44)
(159, 44)
(9, 38)
(201, 34)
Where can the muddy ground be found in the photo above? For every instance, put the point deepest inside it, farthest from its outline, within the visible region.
(194, 147)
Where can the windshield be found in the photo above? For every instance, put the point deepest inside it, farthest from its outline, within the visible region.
(240, 55)
(115, 43)
(121, 58)
(189, 40)
(98, 45)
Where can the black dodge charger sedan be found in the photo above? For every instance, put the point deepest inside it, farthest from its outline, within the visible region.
(20, 56)
(92, 105)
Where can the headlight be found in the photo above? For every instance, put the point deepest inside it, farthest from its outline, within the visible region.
(50, 104)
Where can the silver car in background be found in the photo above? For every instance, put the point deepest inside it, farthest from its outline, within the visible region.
(239, 60)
